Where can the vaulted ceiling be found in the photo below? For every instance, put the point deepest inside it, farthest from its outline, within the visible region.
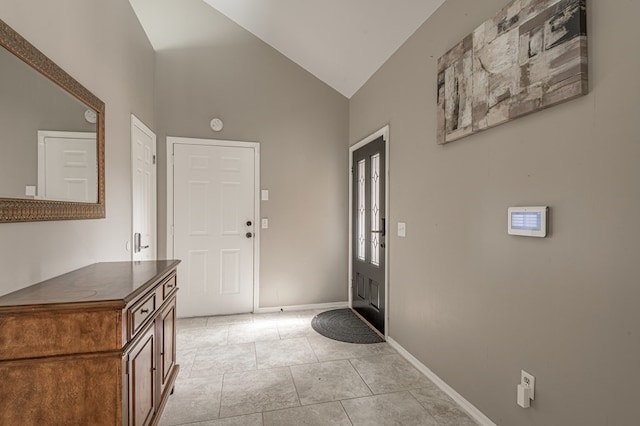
(342, 42)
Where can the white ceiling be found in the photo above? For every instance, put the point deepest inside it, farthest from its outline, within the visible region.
(342, 42)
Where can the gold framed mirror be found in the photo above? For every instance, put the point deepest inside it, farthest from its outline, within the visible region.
(53, 170)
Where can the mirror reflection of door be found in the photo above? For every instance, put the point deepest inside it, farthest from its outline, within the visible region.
(30, 103)
(144, 199)
(368, 258)
(67, 166)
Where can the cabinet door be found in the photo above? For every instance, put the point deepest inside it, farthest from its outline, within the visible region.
(142, 377)
(167, 335)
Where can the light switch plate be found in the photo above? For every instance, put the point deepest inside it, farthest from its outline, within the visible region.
(402, 229)
(30, 191)
(265, 195)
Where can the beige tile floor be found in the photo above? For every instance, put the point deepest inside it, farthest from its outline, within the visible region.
(274, 369)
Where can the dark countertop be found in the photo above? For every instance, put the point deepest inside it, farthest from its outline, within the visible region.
(118, 282)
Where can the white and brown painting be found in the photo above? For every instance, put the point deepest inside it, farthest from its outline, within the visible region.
(530, 56)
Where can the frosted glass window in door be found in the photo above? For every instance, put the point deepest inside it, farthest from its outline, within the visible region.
(375, 210)
(361, 211)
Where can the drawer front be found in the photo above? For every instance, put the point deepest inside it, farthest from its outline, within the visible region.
(168, 287)
(139, 313)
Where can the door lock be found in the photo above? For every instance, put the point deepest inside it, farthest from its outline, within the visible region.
(249, 223)
(249, 235)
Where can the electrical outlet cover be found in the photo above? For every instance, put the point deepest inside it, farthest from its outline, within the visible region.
(528, 380)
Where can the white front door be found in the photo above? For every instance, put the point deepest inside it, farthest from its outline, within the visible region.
(143, 159)
(214, 225)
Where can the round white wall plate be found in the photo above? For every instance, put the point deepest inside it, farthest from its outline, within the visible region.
(216, 124)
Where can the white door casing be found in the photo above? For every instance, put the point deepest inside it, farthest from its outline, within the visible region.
(67, 166)
(214, 208)
(143, 188)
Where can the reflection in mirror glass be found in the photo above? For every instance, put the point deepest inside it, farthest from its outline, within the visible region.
(48, 146)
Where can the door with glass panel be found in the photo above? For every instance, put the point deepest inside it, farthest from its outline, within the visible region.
(368, 277)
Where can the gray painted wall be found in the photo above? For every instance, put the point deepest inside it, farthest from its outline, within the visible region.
(221, 70)
(103, 46)
(476, 305)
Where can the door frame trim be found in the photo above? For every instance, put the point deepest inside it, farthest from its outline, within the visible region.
(174, 140)
(136, 122)
(384, 132)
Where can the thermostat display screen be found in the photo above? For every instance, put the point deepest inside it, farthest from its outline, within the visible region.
(530, 221)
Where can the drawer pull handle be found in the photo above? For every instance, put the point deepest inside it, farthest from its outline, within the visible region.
(170, 286)
(144, 311)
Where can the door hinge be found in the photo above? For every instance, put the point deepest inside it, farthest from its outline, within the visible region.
(154, 159)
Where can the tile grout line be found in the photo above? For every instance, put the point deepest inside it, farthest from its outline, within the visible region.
(255, 355)
(360, 375)
(312, 351)
(221, 394)
(226, 341)
(423, 407)
(195, 355)
(345, 412)
(295, 387)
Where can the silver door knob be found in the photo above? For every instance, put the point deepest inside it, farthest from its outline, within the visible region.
(137, 243)
(249, 234)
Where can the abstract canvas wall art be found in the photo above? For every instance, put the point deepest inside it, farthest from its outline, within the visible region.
(530, 56)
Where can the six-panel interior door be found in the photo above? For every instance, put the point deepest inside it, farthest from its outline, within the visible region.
(214, 228)
(67, 166)
(143, 157)
(368, 259)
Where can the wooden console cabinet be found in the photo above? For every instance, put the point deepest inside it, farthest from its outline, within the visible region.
(95, 346)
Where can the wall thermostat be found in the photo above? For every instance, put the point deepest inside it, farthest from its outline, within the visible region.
(528, 221)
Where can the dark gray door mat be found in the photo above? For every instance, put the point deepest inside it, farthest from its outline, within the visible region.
(345, 326)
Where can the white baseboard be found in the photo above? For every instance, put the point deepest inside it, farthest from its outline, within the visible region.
(335, 305)
(459, 399)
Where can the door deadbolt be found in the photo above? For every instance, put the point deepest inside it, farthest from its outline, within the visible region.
(249, 223)
(249, 234)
